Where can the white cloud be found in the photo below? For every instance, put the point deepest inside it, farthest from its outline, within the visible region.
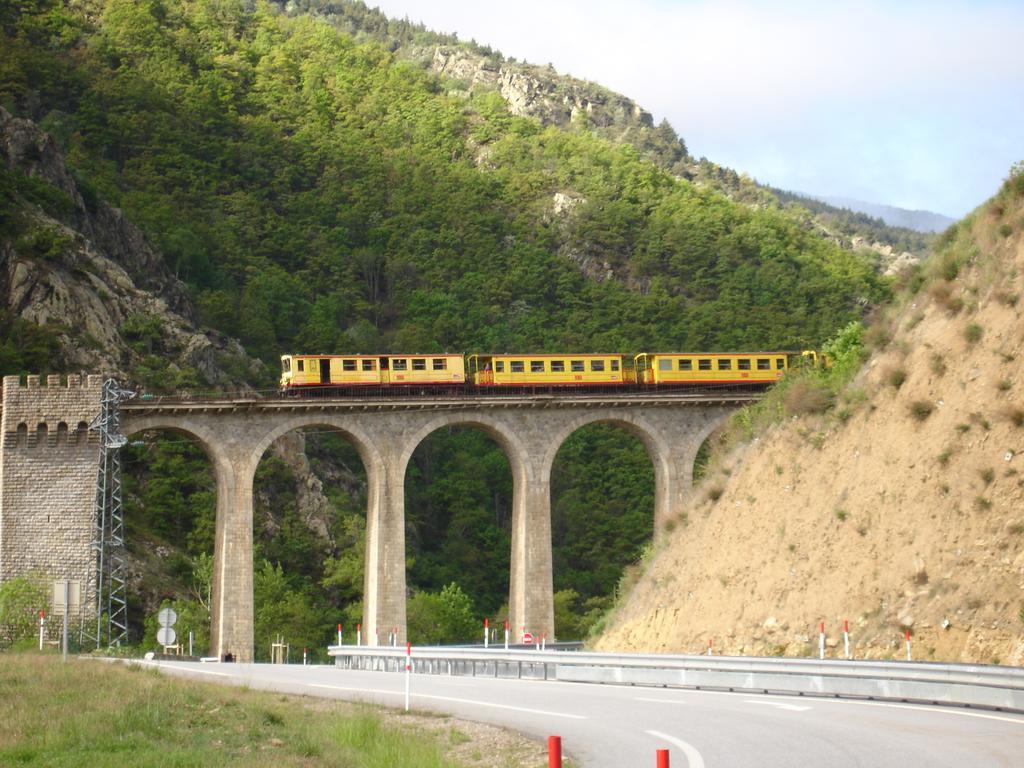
(836, 85)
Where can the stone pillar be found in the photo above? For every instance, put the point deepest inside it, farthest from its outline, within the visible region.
(531, 590)
(231, 609)
(384, 575)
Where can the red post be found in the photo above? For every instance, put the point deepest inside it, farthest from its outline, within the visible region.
(662, 758)
(554, 752)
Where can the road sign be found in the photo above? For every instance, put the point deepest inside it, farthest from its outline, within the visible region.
(167, 617)
(527, 638)
(166, 636)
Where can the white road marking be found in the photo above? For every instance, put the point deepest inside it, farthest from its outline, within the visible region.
(693, 757)
(660, 701)
(946, 710)
(779, 704)
(157, 665)
(474, 702)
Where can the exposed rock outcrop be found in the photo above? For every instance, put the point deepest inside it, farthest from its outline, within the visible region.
(91, 272)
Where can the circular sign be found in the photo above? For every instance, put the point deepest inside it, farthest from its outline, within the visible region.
(527, 638)
(167, 617)
(166, 636)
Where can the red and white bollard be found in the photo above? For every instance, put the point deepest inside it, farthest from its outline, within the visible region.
(506, 634)
(42, 624)
(394, 637)
(408, 672)
(709, 646)
(487, 632)
(554, 752)
(359, 634)
(339, 634)
(543, 642)
(662, 758)
(906, 636)
(846, 636)
(304, 656)
(821, 640)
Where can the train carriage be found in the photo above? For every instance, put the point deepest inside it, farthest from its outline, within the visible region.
(550, 370)
(681, 368)
(358, 371)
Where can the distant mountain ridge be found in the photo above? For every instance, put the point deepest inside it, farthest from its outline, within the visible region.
(919, 221)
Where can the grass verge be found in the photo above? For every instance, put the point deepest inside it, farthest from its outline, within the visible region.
(98, 714)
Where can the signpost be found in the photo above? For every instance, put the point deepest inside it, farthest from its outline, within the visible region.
(166, 635)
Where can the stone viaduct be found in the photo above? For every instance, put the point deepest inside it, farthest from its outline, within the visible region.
(48, 470)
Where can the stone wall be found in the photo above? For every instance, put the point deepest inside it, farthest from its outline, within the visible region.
(48, 464)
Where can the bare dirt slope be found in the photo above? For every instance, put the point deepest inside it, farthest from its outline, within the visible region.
(896, 517)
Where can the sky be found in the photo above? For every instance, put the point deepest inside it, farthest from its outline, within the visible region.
(913, 104)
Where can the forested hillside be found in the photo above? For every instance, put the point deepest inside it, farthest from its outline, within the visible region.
(315, 192)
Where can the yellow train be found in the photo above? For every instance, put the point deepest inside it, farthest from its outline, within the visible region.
(532, 372)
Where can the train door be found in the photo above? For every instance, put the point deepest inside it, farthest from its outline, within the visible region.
(325, 370)
(385, 371)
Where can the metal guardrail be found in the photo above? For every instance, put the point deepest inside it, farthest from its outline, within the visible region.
(968, 685)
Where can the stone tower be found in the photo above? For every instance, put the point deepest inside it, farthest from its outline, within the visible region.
(48, 465)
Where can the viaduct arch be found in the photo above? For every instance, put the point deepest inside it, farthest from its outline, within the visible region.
(235, 433)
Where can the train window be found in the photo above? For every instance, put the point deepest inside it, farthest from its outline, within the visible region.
(597, 365)
(286, 364)
(724, 365)
(704, 364)
(499, 366)
(686, 365)
(419, 364)
(780, 363)
(615, 365)
(300, 365)
(577, 366)
(399, 365)
(764, 364)
(348, 365)
(367, 365)
(439, 364)
(536, 366)
(743, 365)
(558, 366)
(664, 365)
(517, 366)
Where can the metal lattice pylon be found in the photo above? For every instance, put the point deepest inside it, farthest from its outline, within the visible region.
(107, 588)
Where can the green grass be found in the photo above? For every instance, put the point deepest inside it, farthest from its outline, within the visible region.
(99, 714)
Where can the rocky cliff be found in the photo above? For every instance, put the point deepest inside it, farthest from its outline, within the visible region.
(901, 510)
(72, 262)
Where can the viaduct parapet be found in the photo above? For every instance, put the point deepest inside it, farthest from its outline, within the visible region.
(48, 465)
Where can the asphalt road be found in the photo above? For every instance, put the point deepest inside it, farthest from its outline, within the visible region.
(622, 726)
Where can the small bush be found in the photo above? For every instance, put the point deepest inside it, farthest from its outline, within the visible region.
(921, 409)
(1014, 415)
(841, 515)
(982, 503)
(949, 267)
(945, 456)
(715, 492)
(973, 333)
(1007, 298)
(1005, 230)
(807, 397)
(987, 475)
(1004, 385)
(878, 336)
(895, 377)
(937, 363)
